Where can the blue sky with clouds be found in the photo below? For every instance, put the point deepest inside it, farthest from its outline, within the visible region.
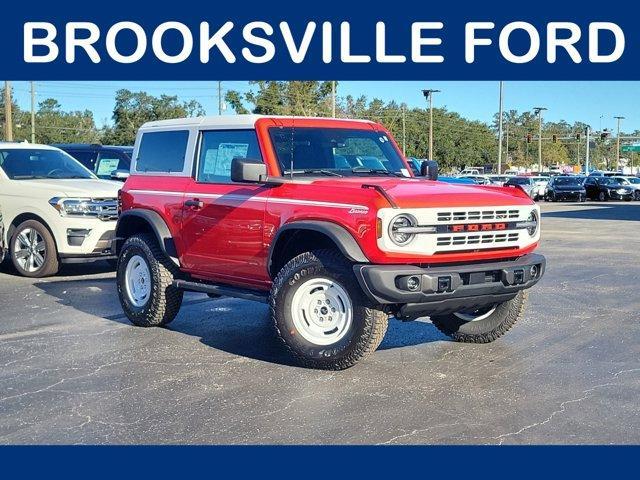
(593, 102)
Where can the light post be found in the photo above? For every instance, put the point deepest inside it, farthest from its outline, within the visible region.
(538, 111)
(500, 130)
(619, 119)
(428, 94)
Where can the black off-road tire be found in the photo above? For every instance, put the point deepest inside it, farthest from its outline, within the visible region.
(165, 300)
(486, 330)
(51, 265)
(368, 326)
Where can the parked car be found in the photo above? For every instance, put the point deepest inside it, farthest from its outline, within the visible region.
(633, 182)
(415, 164)
(108, 162)
(540, 185)
(598, 173)
(607, 188)
(333, 244)
(526, 183)
(55, 210)
(498, 179)
(565, 187)
(3, 248)
(478, 179)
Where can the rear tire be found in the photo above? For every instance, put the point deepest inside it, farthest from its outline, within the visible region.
(145, 283)
(321, 314)
(33, 250)
(488, 326)
(602, 197)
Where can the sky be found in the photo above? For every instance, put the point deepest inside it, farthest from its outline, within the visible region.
(595, 103)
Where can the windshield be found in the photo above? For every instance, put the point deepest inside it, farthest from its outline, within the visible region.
(336, 151)
(29, 164)
(567, 181)
(519, 181)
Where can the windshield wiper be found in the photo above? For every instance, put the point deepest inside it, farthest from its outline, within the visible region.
(375, 171)
(321, 171)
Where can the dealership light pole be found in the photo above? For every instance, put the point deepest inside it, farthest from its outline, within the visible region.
(538, 111)
(500, 130)
(333, 99)
(619, 119)
(428, 94)
(8, 119)
(33, 113)
(219, 97)
(587, 131)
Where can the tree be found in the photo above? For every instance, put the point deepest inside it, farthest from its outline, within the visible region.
(132, 109)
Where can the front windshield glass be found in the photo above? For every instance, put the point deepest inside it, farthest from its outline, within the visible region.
(335, 151)
(30, 164)
(519, 181)
(567, 181)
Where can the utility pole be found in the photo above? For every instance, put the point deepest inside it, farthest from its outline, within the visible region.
(507, 141)
(428, 94)
(538, 111)
(586, 155)
(219, 97)
(618, 143)
(8, 119)
(500, 130)
(33, 113)
(404, 130)
(333, 99)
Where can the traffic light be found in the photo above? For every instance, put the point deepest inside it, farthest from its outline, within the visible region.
(529, 138)
(554, 138)
(605, 133)
(578, 135)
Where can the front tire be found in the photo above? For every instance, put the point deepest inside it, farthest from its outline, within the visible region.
(145, 283)
(33, 250)
(321, 314)
(602, 197)
(483, 325)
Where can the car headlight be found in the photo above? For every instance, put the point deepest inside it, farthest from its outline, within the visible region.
(621, 190)
(532, 224)
(399, 229)
(85, 207)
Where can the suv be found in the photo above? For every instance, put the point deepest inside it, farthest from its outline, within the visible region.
(323, 220)
(108, 162)
(55, 210)
(527, 184)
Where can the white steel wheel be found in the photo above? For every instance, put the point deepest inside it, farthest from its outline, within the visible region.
(30, 250)
(476, 315)
(322, 311)
(138, 281)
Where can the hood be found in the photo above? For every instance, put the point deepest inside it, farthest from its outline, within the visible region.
(85, 188)
(418, 193)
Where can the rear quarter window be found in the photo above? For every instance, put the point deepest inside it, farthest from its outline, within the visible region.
(162, 152)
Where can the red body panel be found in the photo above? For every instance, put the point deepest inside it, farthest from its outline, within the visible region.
(229, 238)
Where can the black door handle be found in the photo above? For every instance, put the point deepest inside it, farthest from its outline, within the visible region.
(195, 203)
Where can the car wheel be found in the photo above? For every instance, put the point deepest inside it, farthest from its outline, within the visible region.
(636, 195)
(321, 314)
(482, 325)
(145, 283)
(602, 197)
(33, 250)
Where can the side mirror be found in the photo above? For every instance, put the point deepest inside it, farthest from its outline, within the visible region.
(120, 175)
(429, 169)
(248, 170)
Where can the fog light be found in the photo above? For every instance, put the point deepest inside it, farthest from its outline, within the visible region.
(534, 271)
(413, 283)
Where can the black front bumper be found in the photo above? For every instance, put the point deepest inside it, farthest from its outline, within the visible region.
(448, 289)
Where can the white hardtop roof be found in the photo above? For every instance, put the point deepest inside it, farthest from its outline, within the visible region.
(230, 121)
(26, 146)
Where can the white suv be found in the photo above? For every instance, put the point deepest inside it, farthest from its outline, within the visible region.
(54, 209)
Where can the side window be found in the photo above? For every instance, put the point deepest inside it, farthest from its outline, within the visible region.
(85, 157)
(162, 152)
(218, 148)
(110, 161)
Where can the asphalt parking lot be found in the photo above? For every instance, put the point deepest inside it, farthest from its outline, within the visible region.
(73, 370)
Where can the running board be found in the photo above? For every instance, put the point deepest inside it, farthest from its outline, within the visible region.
(222, 290)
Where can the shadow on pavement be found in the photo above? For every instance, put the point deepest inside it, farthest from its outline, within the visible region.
(599, 211)
(67, 270)
(234, 326)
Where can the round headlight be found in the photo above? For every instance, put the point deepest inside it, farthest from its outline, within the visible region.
(533, 223)
(396, 227)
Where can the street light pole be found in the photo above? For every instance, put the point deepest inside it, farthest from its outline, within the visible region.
(500, 130)
(586, 156)
(618, 143)
(538, 111)
(333, 99)
(8, 118)
(428, 94)
(33, 113)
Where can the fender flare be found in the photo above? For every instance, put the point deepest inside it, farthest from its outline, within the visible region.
(345, 242)
(158, 226)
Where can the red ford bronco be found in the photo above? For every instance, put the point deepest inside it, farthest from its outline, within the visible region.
(324, 220)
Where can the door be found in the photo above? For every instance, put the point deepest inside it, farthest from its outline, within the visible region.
(223, 221)
(591, 187)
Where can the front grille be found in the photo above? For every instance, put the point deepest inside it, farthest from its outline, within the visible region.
(479, 239)
(477, 215)
(106, 209)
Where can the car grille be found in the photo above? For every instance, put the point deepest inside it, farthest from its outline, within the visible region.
(106, 209)
(487, 238)
(475, 215)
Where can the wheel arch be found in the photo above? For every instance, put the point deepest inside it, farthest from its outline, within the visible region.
(137, 221)
(23, 217)
(300, 236)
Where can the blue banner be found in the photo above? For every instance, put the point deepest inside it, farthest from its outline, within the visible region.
(332, 39)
